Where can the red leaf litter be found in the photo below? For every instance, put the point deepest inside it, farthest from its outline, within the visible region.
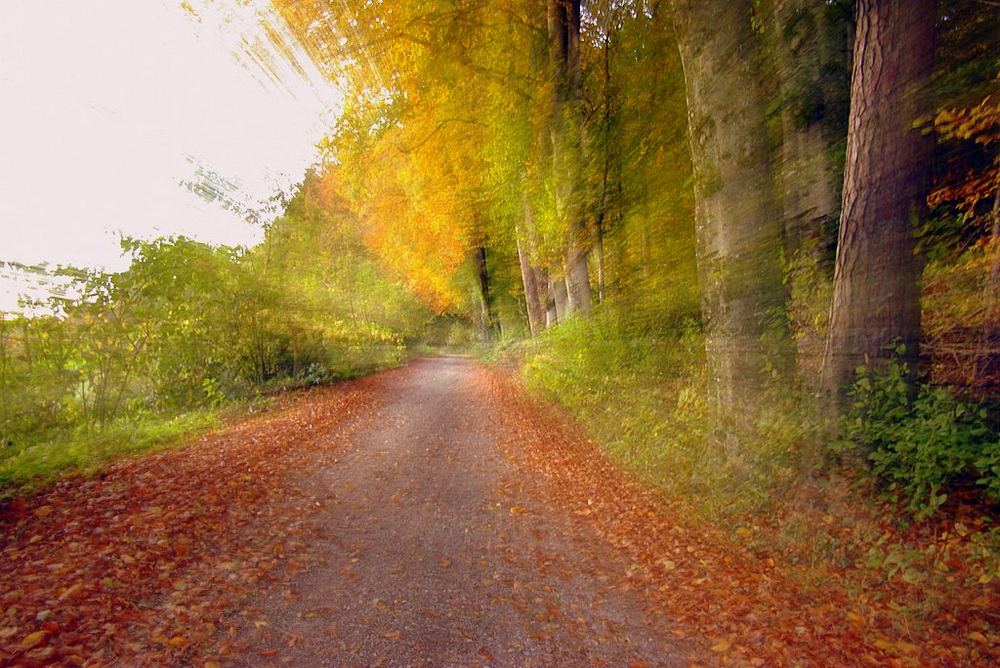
(156, 562)
(742, 606)
(148, 564)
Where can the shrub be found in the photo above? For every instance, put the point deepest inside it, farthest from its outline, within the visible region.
(921, 444)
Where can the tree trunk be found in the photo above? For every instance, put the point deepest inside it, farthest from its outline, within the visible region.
(988, 352)
(534, 279)
(578, 280)
(488, 316)
(737, 228)
(534, 289)
(560, 299)
(565, 136)
(876, 298)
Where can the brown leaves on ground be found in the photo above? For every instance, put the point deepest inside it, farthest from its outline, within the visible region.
(154, 562)
(144, 565)
(745, 606)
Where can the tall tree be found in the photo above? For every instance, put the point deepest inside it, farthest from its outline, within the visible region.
(736, 216)
(876, 300)
(567, 160)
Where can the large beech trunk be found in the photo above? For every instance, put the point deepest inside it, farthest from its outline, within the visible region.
(560, 308)
(876, 298)
(738, 232)
(565, 135)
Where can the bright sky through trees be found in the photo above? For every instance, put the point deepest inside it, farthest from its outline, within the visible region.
(109, 107)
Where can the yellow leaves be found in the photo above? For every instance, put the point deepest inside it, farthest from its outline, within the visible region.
(722, 646)
(71, 591)
(855, 618)
(981, 122)
(33, 639)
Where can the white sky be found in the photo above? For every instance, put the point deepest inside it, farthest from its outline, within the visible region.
(102, 101)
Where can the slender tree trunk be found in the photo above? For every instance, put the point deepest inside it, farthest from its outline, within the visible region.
(606, 168)
(534, 305)
(535, 281)
(599, 258)
(482, 271)
(876, 298)
(565, 135)
(737, 227)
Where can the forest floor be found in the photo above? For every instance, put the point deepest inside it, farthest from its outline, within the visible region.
(429, 515)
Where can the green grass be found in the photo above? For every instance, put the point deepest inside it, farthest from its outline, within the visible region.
(40, 457)
(642, 398)
(88, 450)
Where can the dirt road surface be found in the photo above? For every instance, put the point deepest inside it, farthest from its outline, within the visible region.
(436, 552)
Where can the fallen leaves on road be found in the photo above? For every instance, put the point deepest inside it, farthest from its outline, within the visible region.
(743, 604)
(145, 564)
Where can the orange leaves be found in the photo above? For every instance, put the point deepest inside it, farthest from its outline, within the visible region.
(743, 604)
(722, 646)
(32, 639)
(142, 565)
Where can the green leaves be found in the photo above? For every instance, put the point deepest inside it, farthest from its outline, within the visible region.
(922, 445)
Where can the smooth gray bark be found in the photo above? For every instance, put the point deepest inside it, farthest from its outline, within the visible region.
(737, 226)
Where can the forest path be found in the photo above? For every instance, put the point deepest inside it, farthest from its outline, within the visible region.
(434, 548)
(434, 514)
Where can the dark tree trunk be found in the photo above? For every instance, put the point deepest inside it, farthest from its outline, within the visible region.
(876, 298)
(737, 229)
(488, 315)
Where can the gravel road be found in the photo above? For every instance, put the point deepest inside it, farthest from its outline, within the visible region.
(437, 551)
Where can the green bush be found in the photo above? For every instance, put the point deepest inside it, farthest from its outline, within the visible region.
(921, 444)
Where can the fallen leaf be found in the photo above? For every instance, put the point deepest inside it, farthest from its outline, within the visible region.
(722, 646)
(71, 591)
(33, 639)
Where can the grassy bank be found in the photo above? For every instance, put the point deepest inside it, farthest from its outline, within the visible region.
(37, 459)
